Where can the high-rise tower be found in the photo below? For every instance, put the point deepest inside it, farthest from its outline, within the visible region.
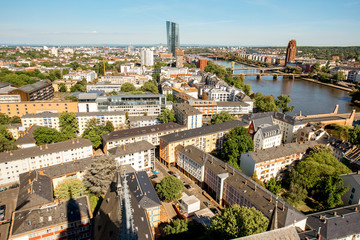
(291, 52)
(173, 40)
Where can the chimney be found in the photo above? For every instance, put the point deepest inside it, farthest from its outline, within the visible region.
(245, 182)
(123, 147)
(356, 209)
(358, 172)
(335, 213)
(29, 181)
(73, 141)
(321, 217)
(255, 188)
(233, 172)
(283, 208)
(11, 153)
(28, 190)
(46, 146)
(145, 193)
(325, 221)
(77, 140)
(40, 147)
(225, 166)
(270, 199)
(137, 187)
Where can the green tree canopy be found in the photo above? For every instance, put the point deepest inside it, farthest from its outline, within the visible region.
(237, 221)
(282, 102)
(100, 174)
(354, 135)
(265, 103)
(167, 116)
(169, 97)
(94, 130)
(45, 135)
(68, 125)
(70, 188)
(273, 186)
(6, 140)
(223, 116)
(150, 86)
(176, 226)
(62, 87)
(170, 188)
(128, 87)
(237, 141)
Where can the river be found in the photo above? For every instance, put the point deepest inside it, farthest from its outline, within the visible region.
(307, 97)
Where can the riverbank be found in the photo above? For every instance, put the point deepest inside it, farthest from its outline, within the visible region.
(327, 84)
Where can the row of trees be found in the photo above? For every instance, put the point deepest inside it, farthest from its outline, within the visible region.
(149, 86)
(7, 142)
(267, 103)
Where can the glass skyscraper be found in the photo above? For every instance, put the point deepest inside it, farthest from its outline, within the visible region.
(173, 40)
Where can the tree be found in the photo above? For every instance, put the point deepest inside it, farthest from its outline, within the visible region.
(354, 135)
(170, 188)
(273, 186)
(282, 102)
(62, 87)
(265, 103)
(167, 116)
(237, 141)
(68, 125)
(128, 87)
(223, 116)
(4, 119)
(6, 140)
(150, 86)
(94, 130)
(340, 76)
(320, 148)
(236, 221)
(70, 188)
(109, 126)
(169, 97)
(176, 226)
(45, 135)
(316, 67)
(15, 119)
(4, 131)
(100, 174)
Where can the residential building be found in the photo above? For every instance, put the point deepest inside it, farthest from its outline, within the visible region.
(207, 138)
(352, 158)
(140, 155)
(267, 137)
(68, 83)
(22, 108)
(15, 162)
(273, 162)
(80, 75)
(179, 61)
(5, 97)
(235, 109)
(173, 38)
(49, 119)
(143, 121)
(338, 223)
(352, 181)
(64, 220)
(26, 139)
(202, 63)
(41, 90)
(354, 76)
(136, 80)
(14, 129)
(193, 92)
(147, 57)
(187, 115)
(149, 133)
(228, 186)
(291, 52)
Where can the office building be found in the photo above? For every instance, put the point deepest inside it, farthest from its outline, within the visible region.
(22, 108)
(173, 38)
(41, 90)
(290, 52)
(149, 133)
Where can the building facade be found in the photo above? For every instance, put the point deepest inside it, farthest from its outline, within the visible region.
(173, 38)
(290, 52)
(41, 90)
(187, 115)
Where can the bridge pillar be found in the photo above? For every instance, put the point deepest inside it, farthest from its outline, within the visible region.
(292, 77)
(258, 77)
(275, 77)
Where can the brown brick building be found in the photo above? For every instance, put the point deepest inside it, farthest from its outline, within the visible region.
(41, 90)
(291, 52)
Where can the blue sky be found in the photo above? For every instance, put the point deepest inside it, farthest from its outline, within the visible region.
(211, 22)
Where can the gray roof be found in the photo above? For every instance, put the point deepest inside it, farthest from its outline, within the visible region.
(134, 132)
(206, 130)
(285, 233)
(44, 149)
(270, 131)
(279, 151)
(51, 215)
(354, 175)
(337, 226)
(83, 96)
(262, 122)
(78, 114)
(186, 109)
(142, 118)
(131, 148)
(260, 199)
(35, 86)
(4, 84)
(28, 136)
(35, 189)
(232, 104)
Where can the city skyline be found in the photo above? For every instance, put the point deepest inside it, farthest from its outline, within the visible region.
(236, 23)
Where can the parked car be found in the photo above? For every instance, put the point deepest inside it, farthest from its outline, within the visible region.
(207, 204)
(171, 172)
(187, 186)
(153, 176)
(2, 209)
(2, 189)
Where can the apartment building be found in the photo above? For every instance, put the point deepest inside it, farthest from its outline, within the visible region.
(273, 162)
(49, 119)
(228, 186)
(103, 86)
(136, 80)
(15, 162)
(64, 220)
(207, 138)
(140, 155)
(80, 75)
(191, 91)
(22, 108)
(236, 108)
(143, 121)
(352, 181)
(267, 137)
(149, 133)
(187, 115)
(5, 97)
(41, 90)
(68, 83)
